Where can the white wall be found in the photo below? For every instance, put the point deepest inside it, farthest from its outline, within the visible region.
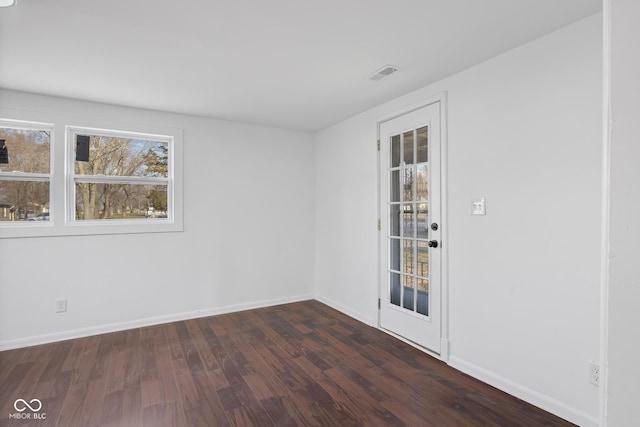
(524, 132)
(622, 346)
(247, 240)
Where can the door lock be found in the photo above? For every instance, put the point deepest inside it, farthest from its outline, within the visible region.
(434, 226)
(433, 243)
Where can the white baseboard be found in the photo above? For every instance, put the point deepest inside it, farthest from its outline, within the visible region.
(346, 310)
(540, 400)
(149, 321)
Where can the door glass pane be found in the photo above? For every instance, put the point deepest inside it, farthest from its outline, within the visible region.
(394, 262)
(394, 288)
(422, 182)
(407, 256)
(408, 221)
(395, 151)
(422, 215)
(422, 151)
(422, 263)
(394, 186)
(422, 305)
(394, 220)
(408, 292)
(407, 147)
(408, 182)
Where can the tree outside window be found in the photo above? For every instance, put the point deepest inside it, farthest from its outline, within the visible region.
(24, 178)
(124, 177)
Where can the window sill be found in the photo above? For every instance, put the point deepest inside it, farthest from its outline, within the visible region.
(86, 228)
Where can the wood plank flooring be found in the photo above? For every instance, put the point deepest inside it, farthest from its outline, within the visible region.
(301, 364)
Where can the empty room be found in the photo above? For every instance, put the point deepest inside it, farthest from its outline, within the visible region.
(294, 213)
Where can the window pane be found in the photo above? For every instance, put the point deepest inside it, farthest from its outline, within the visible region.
(423, 259)
(423, 297)
(408, 221)
(407, 256)
(408, 292)
(395, 151)
(24, 200)
(115, 156)
(423, 221)
(422, 183)
(395, 254)
(408, 182)
(394, 186)
(407, 146)
(394, 282)
(120, 201)
(422, 151)
(394, 220)
(28, 150)
(423, 285)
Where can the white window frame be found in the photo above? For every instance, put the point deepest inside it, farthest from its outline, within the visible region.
(7, 227)
(72, 133)
(62, 161)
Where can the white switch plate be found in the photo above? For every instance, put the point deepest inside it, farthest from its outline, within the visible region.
(477, 206)
(61, 305)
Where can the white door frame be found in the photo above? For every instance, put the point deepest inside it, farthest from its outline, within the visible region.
(444, 222)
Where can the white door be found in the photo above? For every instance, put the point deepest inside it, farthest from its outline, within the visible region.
(410, 229)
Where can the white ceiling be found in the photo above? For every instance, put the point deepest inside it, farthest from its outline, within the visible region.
(298, 64)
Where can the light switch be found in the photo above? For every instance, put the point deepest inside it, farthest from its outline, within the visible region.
(477, 206)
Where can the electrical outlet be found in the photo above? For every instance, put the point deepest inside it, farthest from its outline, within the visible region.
(61, 305)
(594, 373)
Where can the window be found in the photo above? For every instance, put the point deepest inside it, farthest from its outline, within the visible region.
(116, 176)
(98, 182)
(25, 172)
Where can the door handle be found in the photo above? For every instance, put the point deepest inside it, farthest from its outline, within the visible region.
(433, 243)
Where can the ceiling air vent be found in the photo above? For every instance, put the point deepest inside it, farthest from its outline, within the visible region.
(383, 72)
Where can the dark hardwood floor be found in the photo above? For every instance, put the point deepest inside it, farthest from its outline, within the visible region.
(301, 364)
